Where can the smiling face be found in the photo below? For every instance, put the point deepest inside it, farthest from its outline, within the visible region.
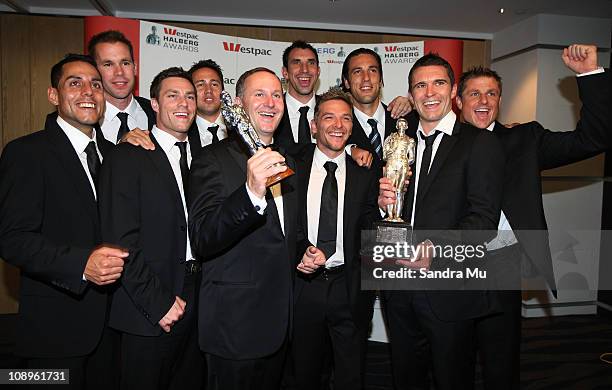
(301, 73)
(79, 96)
(433, 94)
(479, 101)
(118, 71)
(364, 81)
(262, 100)
(332, 126)
(175, 106)
(208, 87)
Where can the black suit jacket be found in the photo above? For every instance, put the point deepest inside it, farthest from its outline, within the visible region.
(461, 193)
(48, 227)
(529, 149)
(360, 211)
(359, 137)
(245, 295)
(141, 210)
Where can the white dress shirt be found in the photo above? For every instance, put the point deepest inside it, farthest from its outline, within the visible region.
(167, 143)
(293, 109)
(79, 142)
(110, 124)
(313, 201)
(445, 127)
(206, 137)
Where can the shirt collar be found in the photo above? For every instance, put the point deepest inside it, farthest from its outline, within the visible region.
(112, 111)
(319, 158)
(379, 115)
(446, 124)
(205, 124)
(293, 105)
(77, 138)
(491, 126)
(165, 140)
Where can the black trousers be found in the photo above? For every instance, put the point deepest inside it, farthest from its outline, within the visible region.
(96, 371)
(421, 342)
(322, 316)
(159, 362)
(498, 336)
(249, 374)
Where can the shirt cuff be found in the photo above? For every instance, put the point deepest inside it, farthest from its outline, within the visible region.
(349, 149)
(596, 71)
(260, 204)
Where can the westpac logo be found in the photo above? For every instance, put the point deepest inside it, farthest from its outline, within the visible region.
(179, 40)
(238, 48)
(169, 31)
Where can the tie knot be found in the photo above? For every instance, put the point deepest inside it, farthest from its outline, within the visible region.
(90, 148)
(304, 110)
(330, 167)
(182, 146)
(373, 123)
(123, 116)
(429, 139)
(213, 129)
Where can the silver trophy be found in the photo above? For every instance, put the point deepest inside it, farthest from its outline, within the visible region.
(399, 153)
(238, 118)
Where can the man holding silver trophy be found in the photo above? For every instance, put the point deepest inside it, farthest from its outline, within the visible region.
(243, 225)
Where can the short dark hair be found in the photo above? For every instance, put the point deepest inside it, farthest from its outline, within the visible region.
(210, 64)
(57, 69)
(108, 36)
(299, 44)
(431, 59)
(478, 71)
(243, 77)
(334, 93)
(355, 53)
(175, 71)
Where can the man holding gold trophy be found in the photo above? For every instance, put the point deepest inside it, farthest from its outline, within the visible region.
(242, 226)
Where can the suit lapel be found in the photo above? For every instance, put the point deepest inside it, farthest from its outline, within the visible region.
(289, 193)
(193, 136)
(72, 165)
(350, 184)
(162, 164)
(446, 145)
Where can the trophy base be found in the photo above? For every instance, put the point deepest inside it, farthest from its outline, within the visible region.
(278, 177)
(392, 232)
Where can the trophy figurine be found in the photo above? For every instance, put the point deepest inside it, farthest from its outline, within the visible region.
(398, 152)
(237, 117)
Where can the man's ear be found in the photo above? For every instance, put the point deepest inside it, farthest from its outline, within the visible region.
(52, 96)
(155, 105)
(238, 101)
(458, 102)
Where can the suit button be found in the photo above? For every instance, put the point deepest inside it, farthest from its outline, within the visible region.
(182, 228)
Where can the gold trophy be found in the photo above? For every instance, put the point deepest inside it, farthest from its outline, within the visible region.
(399, 153)
(237, 117)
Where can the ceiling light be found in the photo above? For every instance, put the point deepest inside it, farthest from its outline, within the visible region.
(501, 10)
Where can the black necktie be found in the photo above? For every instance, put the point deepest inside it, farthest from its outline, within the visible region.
(375, 138)
(213, 130)
(93, 161)
(328, 216)
(304, 127)
(184, 166)
(426, 160)
(123, 129)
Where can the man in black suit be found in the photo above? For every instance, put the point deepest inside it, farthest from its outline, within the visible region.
(301, 71)
(529, 149)
(457, 186)
(362, 77)
(245, 234)
(143, 209)
(49, 229)
(125, 111)
(337, 200)
(208, 126)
